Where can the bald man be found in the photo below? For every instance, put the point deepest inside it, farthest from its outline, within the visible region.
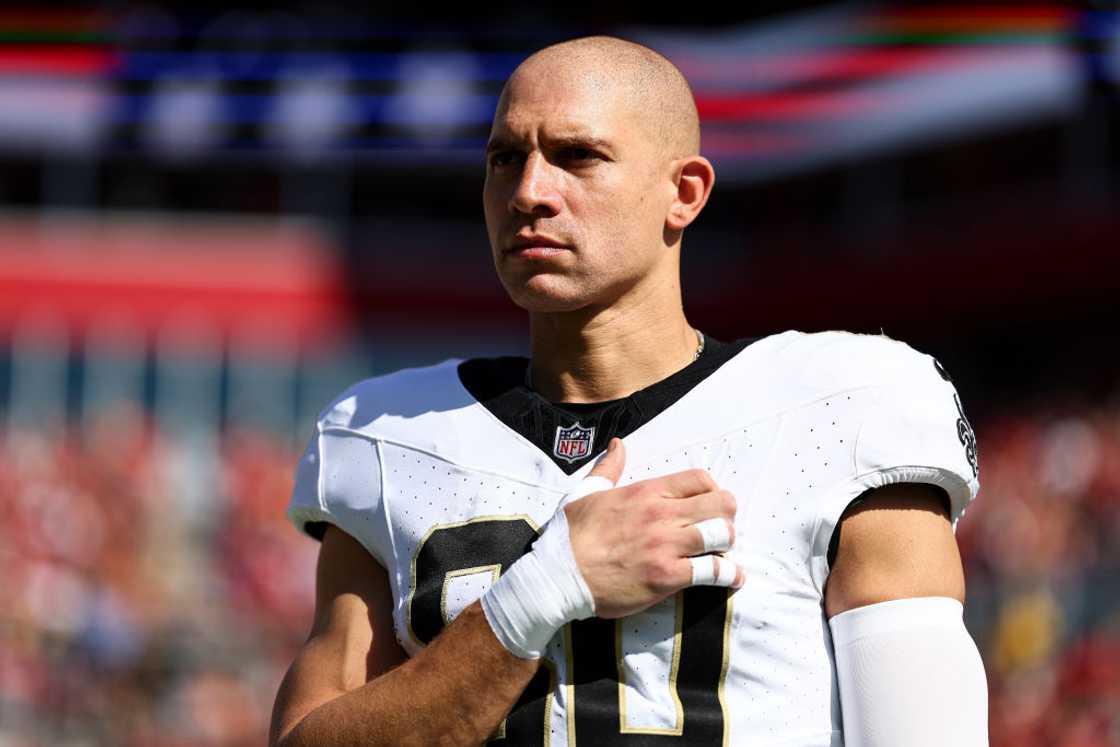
(639, 535)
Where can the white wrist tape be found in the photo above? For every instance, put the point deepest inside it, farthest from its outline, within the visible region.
(544, 589)
(909, 674)
(587, 486)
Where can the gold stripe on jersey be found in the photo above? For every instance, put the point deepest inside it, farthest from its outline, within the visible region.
(723, 670)
(420, 546)
(570, 706)
(678, 728)
(495, 571)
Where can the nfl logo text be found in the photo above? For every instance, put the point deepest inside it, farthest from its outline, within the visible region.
(573, 444)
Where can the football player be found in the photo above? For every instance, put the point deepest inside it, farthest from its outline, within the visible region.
(639, 535)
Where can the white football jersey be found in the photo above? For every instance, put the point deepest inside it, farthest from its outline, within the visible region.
(446, 474)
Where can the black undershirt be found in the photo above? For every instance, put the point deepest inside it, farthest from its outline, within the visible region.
(499, 385)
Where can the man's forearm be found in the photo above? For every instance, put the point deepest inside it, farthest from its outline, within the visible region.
(454, 692)
(909, 673)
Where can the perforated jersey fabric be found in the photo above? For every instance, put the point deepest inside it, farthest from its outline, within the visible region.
(445, 490)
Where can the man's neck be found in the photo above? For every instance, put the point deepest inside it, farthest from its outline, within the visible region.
(589, 356)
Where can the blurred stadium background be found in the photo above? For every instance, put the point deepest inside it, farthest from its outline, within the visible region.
(211, 222)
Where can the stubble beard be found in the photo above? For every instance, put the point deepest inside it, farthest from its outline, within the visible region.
(541, 294)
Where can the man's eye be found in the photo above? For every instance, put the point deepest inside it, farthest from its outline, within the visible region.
(503, 158)
(580, 154)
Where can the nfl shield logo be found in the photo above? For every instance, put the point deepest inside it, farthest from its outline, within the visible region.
(573, 444)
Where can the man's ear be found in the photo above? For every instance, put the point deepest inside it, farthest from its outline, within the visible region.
(694, 179)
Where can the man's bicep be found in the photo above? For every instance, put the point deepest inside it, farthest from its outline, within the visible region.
(351, 640)
(354, 603)
(897, 543)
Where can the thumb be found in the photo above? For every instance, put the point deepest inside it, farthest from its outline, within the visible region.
(610, 464)
(602, 476)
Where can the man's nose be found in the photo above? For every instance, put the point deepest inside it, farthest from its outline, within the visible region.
(536, 191)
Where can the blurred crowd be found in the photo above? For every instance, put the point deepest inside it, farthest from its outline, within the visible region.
(132, 616)
(1041, 548)
(140, 609)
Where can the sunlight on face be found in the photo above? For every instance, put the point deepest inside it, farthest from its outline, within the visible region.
(573, 161)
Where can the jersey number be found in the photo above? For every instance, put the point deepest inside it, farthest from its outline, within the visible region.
(597, 700)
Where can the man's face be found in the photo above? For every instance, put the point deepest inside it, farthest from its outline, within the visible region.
(571, 162)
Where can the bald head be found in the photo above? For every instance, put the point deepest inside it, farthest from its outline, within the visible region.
(594, 151)
(647, 85)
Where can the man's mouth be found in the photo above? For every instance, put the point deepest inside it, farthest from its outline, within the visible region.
(535, 246)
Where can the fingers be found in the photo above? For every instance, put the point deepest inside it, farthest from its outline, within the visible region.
(697, 508)
(681, 484)
(716, 535)
(713, 570)
(706, 523)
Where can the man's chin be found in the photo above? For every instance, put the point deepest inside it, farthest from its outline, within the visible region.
(544, 295)
(547, 305)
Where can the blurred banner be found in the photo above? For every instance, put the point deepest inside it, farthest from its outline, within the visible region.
(776, 96)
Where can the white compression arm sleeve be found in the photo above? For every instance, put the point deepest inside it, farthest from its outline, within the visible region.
(909, 675)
